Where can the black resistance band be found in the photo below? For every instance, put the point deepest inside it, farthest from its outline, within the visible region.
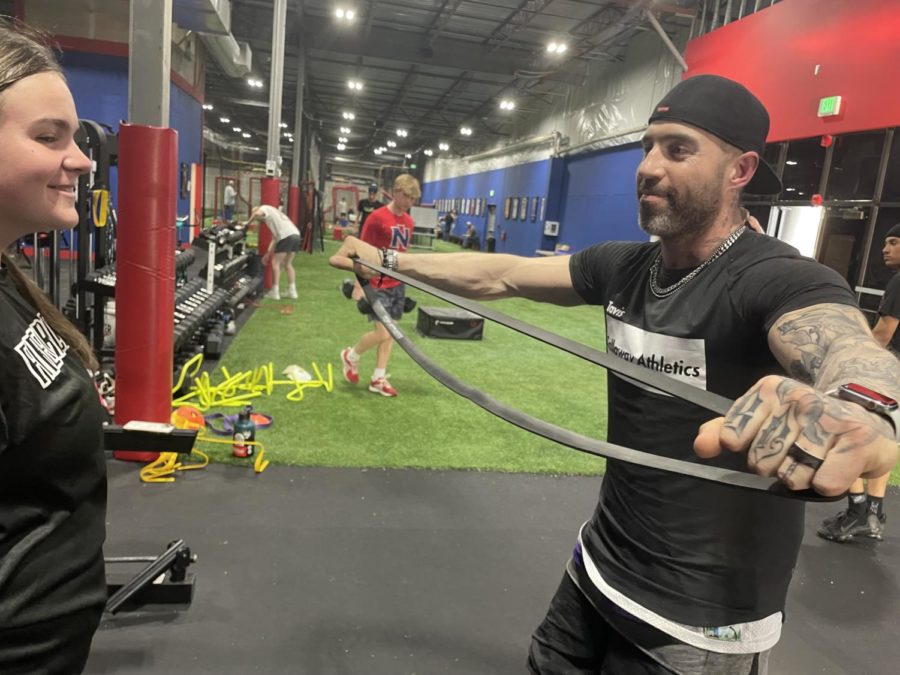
(704, 399)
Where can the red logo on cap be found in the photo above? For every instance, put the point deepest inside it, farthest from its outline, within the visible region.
(662, 108)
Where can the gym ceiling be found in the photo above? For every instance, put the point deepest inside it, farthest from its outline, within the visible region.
(430, 67)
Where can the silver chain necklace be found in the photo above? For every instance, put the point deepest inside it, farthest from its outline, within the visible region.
(657, 263)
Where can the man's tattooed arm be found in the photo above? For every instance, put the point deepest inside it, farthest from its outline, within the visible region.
(790, 428)
(828, 345)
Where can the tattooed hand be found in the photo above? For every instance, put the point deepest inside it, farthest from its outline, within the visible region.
(778, 412)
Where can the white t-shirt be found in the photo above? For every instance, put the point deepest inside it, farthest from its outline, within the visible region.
(279, 224)
(230, 192)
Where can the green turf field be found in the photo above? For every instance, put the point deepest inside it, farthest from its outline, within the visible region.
(426, 426)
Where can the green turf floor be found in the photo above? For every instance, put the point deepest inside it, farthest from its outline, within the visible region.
(426, 426)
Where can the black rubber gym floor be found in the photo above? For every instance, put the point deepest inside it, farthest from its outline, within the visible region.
(322, 571)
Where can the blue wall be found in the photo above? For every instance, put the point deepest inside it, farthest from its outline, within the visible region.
(599, 200)
(592, 196)
(521, 237)
(99, 85)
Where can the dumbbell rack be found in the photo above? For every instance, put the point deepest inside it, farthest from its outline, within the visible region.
(101, 283)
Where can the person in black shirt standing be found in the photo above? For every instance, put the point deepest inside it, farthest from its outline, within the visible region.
(52, 464)
(671, 574)
(366, 206)
(864, 515)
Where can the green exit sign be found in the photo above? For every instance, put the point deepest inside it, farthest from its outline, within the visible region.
(830, 106)
(412, 166)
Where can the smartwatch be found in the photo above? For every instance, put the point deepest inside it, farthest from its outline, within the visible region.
(870, 400)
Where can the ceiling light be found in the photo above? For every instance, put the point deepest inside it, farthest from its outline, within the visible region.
(245, 135)
(408, 156)
(339, 13)
(348, 115)
(465, 131)
(349, 14)
(342, 139)
(429, 152)
(253, 82)
(236, 130)
(207, 106)
(345, 130)
(283, 125)
(356, 85)
(378, 151)
(507, 104)
(225, 120)
(791, 162)
(402, 133)
(443, 147)
(341, 146)
(392, 144)
(286, 134)
(557, 48)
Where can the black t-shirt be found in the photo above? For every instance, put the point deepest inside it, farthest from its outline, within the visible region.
(890, 306)
(694, 552)
(364, 208)
(52, 472)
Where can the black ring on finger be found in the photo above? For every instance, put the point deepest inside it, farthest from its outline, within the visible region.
(801, 456)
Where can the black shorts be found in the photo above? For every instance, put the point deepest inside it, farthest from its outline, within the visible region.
(288, 244)
(393, 300)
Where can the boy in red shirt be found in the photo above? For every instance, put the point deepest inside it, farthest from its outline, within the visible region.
(389, 227)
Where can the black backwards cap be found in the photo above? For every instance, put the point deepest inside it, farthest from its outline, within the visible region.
(893, 232)
(727, 110)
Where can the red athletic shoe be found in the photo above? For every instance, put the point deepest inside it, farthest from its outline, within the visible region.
(351, 368)
(383, 387)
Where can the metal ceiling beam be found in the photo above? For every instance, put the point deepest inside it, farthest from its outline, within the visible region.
(440, 20)
(408, 47)
(518, 18)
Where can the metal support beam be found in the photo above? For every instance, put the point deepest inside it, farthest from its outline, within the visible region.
(149, 62)
(518, 18)
(666, 40)
(440, 20)
(273, 153)
(298, 120)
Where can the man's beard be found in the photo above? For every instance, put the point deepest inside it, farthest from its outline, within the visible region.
(684, 214)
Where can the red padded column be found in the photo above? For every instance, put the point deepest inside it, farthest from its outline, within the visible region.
(270, 193)
(293, 209)
(145, 276)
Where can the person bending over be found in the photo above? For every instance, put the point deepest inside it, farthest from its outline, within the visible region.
(388, 229)
(671, 574)
(52, 463)
(285, 244)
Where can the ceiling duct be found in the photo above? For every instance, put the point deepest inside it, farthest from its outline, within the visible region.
(212, 20)
(233, 57)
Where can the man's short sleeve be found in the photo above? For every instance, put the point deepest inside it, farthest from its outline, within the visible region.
(890, 303)
(775, 286)
(592, 267)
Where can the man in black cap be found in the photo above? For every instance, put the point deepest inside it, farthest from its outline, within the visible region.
(864, 515)
(366, 206)
(671, 574)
